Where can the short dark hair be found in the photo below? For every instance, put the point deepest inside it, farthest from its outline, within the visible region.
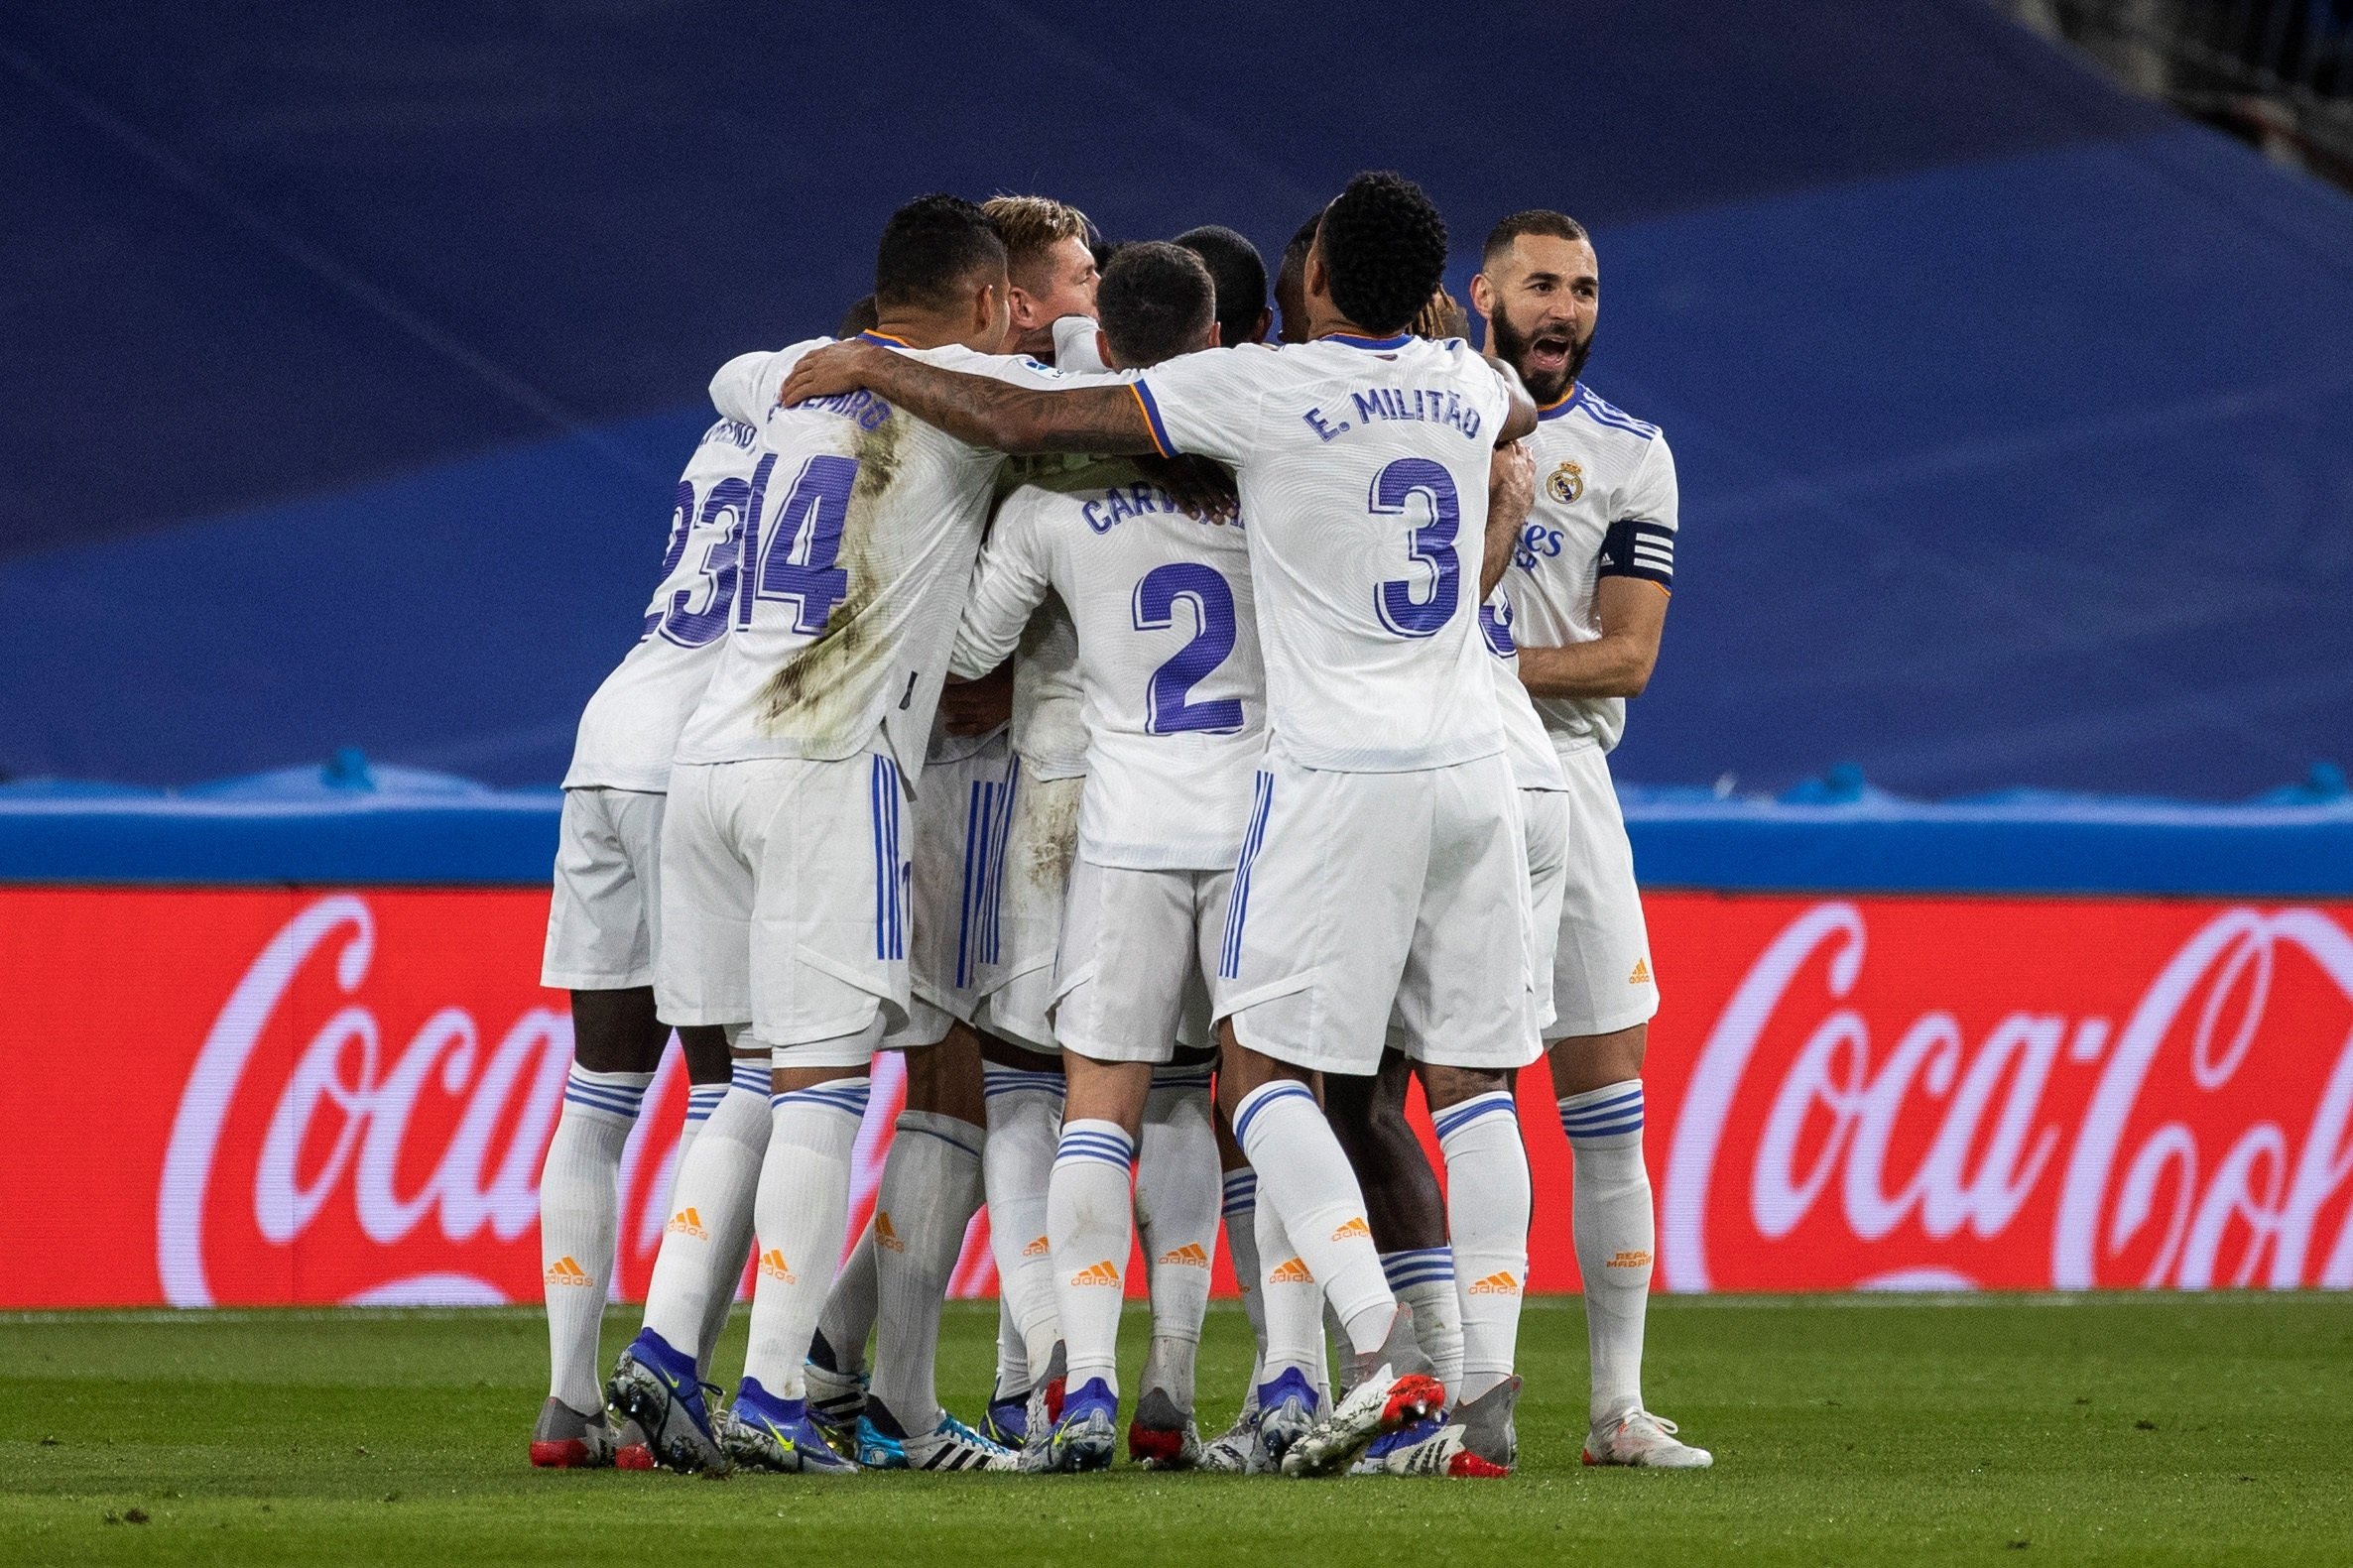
(1535, 220)
(928, 249)
(1240, 273)
(1156, 301)
(859, 318)
(1295, 253)
(1384, 250)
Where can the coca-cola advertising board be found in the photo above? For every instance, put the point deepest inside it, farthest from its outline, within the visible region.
(249, 1097)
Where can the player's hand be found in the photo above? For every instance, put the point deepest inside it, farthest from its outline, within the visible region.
(1511, 483)
(1203, 490)
(976, 707)
(828, 372)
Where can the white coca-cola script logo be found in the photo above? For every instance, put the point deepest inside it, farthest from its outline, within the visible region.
(1994, 1143)
(344, 1072)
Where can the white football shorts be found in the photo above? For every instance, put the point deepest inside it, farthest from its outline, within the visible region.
(1544, 824)
(962, 814)
(1602, 979)
(1359, 892)
(1017, 982)
(785, 901)
(604, 922)
(1131, 979)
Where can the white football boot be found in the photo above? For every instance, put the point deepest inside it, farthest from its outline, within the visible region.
(1643, 1440)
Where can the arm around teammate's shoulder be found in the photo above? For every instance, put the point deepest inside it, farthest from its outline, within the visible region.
(980, 409)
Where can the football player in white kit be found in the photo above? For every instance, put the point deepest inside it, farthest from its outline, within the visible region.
(972, 820)
(1382, 863)
(605, 926)
(1591, 582)
(785, 849)
(1168, 667)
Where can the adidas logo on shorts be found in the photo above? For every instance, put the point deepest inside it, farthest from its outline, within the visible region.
(1641, 973)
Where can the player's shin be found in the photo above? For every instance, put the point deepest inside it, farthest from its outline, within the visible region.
(1615, 1236)
(1422, 1279)
(1304, 1176)
(1177, 1205)
(930, 1186)
(804, 1208)
(710, 1207)
(848, 1321)
(1088, 1227)
(1487, 1210)
(578, 1216)
(1025, 1115)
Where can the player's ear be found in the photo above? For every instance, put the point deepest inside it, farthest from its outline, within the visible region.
(1266, 323)
(1482, 294)
(1104, 347)
(1312, 282)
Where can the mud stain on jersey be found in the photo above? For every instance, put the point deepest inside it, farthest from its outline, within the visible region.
(814, 695)
(1053, 839)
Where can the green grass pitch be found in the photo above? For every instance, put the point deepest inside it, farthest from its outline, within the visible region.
(2128, 1430)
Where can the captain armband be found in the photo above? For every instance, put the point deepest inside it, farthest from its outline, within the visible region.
(1639, 547)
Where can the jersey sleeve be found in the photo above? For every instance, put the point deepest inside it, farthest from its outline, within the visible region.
(1006, 587)
(1203, 404)
(746, 387)
(1639, 539)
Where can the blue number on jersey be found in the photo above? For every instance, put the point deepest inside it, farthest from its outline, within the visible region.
(1167, 712)
(1496, 626)
(798, 563)
(739, 503)
(1433, 544)
(682, 523)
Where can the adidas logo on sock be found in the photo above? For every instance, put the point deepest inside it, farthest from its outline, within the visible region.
(1355, 1226)
(1293, 1272)
(1635, 1260)
(1192, 1255)
(1036, 1249)
(1102, 1274)
(687, 1223)
(1498, 1284)
(567, 1271)
(885, 1235)
(1641, 973)
(772, 1264)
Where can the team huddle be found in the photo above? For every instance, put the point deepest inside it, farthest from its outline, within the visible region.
(1177, 745)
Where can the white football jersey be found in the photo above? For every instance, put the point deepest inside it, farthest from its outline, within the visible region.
(1363, 472)
(630, 729)
(1605, 506)
(1048, 703)
(1534, 764)
(846, 607)
(1167, 657)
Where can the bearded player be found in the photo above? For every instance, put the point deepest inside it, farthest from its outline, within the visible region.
(1589, 589)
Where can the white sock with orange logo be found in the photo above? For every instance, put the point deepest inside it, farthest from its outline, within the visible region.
(802, 1212)
(1616, 1234)
(1303, 1176)
(1487, 1205)
(710, 1217)
(579, 1210)
(1090, 1228)
(1025, 1113)
(1291, 1303)
(1177, 1193)
(930, 1186)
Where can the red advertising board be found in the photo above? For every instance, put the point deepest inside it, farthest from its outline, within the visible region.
(244, 1096)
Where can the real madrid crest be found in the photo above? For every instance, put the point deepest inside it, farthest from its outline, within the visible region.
(1567, 482)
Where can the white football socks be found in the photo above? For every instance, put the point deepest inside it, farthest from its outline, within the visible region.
(1422, 1279)
(1487, 1207)
(847, 1320)
(710, 1216)
(1176, 1203)
(1089, 1228)
(580, 1216)
(1615, 1236)
(1025, 1114)
(1290, 1305)
(1303, 1175)
(1238, 1208)
(803, 1209)
(1013, 1357)
(930, 1186)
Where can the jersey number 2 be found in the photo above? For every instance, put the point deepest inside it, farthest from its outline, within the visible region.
(1433, 545)
(798, 564)
(1165, 708)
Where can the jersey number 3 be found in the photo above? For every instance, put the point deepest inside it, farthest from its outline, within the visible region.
(796, 566)
(1433, 545)
(1167, 709)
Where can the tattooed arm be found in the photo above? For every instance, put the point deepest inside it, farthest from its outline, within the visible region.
(978, 409)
